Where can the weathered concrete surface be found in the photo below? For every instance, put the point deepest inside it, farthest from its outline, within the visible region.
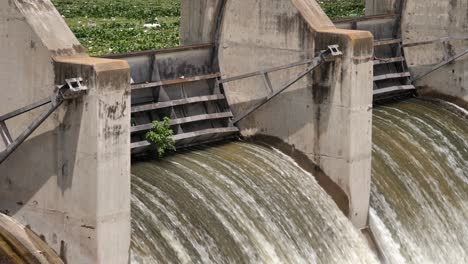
(378, 7)
(47, 23)
(313, 14)
(19, 244)
(345, 117)
(199, 21)
(326, 116)
(70, 182)
(432, 20)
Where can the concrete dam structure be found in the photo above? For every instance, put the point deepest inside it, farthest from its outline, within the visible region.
(299, 139)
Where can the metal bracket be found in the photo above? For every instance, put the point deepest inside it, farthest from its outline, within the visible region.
(72, 89)
(332, 52)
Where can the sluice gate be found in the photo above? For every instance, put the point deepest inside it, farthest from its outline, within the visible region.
(391, 75)
(184, 85)
(181, 84)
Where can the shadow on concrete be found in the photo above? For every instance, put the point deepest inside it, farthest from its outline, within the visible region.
(50, 156)
(318, 108)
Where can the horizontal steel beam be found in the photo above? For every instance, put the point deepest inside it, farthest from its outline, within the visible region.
(190, 100)
(385, 42)
(391, 76)
(393, 89)
(191, 135)
(184, 120)
(159, 51)
(364, 18)
(175, 81)
(380, 61)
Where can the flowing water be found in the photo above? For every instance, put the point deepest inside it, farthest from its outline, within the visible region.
(245, 203)
(237, 203)
(420, 182)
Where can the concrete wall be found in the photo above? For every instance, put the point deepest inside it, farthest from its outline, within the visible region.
(199, 21)
(378, 7)
(70, 181)
(325, 116)
(431, 20)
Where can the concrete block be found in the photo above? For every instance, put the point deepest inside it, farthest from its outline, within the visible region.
(70, 181)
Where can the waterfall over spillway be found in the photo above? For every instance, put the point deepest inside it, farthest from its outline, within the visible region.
(420, 182)
(237, 203)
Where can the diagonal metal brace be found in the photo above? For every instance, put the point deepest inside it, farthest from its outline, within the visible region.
(440, 65)
(72, 89)
(328, 55)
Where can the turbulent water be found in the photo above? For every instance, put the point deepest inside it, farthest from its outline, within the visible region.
(237, 203)
(420, 182)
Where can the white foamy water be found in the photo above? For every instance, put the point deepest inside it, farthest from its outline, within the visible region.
(420, 182)
(237, 203)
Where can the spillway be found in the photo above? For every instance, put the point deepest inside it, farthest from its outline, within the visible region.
(237, 203)
(420, 182)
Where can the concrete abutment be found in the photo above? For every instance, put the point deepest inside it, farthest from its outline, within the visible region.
(70, 181)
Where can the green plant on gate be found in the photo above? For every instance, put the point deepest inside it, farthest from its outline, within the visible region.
(160, 136)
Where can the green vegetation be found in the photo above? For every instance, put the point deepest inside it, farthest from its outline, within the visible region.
(161, 136)
(343, 8)
(119, 26)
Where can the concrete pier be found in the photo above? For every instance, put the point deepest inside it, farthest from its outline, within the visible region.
(325, 116)
(70, 181)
